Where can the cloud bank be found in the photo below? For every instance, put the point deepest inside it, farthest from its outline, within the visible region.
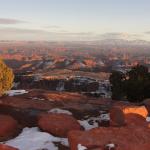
(7, 21)
(11, 33)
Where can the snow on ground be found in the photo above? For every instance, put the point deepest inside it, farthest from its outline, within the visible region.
(87, 125)
(41, 99)
(148, 119)
(110, 146)
(81, 147)
(104, 117)
(60, 111)
(34, 139)
(16, 92)
(92, 122)
(36, 98)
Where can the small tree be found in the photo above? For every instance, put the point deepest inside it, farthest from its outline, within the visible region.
(137, 85)
(133, 85)
(6, 78)
(116, 80)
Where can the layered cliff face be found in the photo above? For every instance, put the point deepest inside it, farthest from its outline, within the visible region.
(86, 85)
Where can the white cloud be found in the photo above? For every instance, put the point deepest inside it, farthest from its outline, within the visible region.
(11, 33)
(118, 35)
(147, 32)
(52, 27)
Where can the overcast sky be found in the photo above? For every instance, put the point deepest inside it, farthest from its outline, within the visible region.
(74, 19)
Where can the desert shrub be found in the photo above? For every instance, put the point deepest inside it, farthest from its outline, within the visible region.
(133, 85)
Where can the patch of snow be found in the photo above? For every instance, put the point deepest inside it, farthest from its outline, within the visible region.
(60, 111)
(67, 62)
(82, 64)
(87, 125)
(34, 139)
(64, 141)
(101, 63)
(60, 86)
(51, 100)
(16, 92)
(80, 147)
(15, 84)
(110, 146)
(36, 98)
(92, 122)
(49, 63)
(104, 117)
(148, 119)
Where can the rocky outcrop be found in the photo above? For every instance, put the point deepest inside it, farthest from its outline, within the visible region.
(122, 138)
(140, 110)
(73, 84)
(128, 130)
(117, 117)
(26, 117)
(58, 124)
(8, 127)
(5, 147)
(135, 120)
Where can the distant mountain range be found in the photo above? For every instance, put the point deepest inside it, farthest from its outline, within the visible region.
(66, 47)
(105, 41)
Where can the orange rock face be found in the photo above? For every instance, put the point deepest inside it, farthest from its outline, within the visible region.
(58, 124)
(5, 147)
(124, 138)
(142, 111)
(8, 127)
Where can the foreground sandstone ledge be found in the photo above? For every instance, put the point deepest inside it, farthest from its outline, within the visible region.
(129, 130)
(125, 138)
(134, 135)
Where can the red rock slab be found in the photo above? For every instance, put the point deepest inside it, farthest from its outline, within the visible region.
(8, 127)
(117, 117)
(125, 138)
(136, 120)
(58, 124)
